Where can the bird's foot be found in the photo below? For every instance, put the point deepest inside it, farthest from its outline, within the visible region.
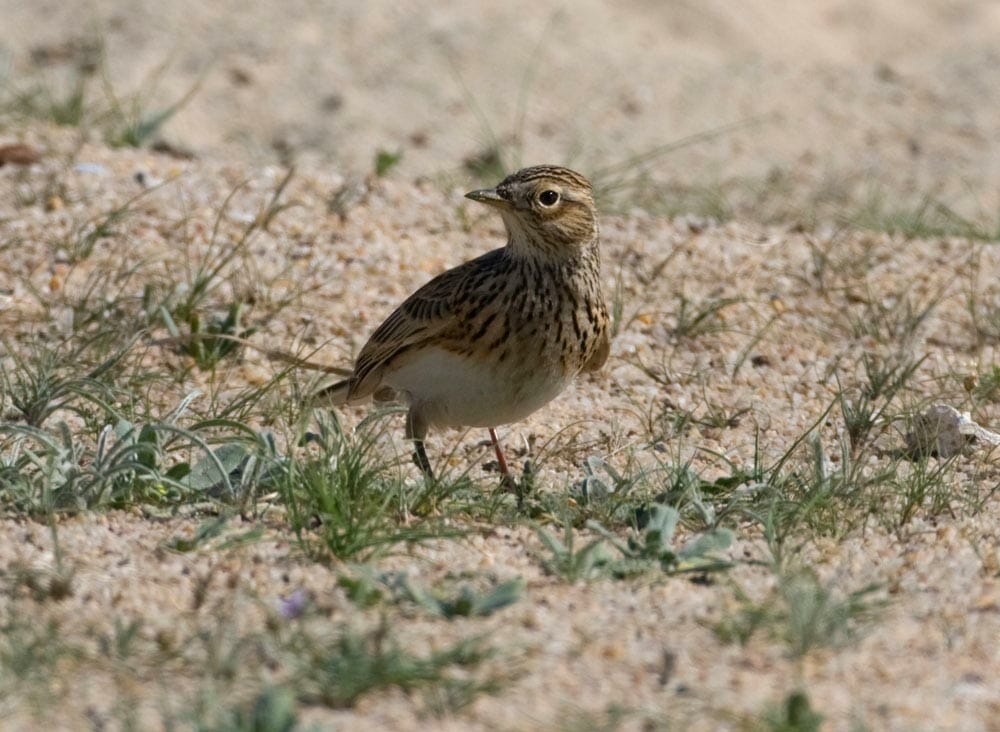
(509, 484)
(522, 488)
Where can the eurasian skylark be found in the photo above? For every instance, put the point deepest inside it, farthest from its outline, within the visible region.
(496, 338)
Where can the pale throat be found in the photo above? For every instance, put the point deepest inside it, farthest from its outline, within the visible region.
(526, 242)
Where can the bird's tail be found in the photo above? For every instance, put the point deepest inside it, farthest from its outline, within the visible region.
(334, 394)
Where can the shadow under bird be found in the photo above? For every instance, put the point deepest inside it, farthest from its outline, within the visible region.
(493, 340)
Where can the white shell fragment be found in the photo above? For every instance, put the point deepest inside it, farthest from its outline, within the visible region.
(944, 431)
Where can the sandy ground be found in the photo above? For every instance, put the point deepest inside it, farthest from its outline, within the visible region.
(849, 96)
(929, 661)
(891, 95)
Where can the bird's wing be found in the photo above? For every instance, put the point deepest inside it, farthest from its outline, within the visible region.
(431, 312)
(600, 354)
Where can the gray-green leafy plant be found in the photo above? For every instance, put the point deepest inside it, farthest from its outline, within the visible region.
(43, 470)
(467, 603)
(366, 587)
(571, 563)
(645, 550)
(653, 546)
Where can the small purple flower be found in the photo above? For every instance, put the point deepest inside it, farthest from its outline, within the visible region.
(293, 605)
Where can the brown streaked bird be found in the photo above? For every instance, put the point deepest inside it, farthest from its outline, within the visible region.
(496, 338)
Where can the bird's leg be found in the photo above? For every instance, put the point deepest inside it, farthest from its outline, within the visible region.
(506, 479)
(416, 431)
(420, 458)
(501, 460)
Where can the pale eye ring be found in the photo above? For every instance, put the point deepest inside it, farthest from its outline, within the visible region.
(548, 198)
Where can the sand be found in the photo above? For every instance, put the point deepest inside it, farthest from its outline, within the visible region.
(847, 97)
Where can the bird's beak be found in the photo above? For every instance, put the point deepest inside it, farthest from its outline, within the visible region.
(489, 196)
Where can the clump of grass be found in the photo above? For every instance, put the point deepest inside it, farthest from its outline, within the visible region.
(885, 377)
(90, 100)
(48, 379)
(338, 672)
(652, 547)
(927, 218)
(40, 99)
(628, 182)
(892, 320)
(985, 323)
(344, 500)
(105, 313)
(131, 121)
(41, 584)
(209, 343)
(915, 486)
(693, 319)
(29, 655)
(803, 614)
(806, 491)
(209, 337)
(814, 495)
(257, 677)
(82, 242)
(672, 420)
(794, 714)
(273, 709)
(987, 384)
(385, 161)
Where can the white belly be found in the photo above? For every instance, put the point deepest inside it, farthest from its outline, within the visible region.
(455, 391)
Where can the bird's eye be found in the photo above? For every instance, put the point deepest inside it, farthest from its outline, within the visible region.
(548, 198)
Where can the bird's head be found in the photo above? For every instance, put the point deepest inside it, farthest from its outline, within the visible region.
(548, 211)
